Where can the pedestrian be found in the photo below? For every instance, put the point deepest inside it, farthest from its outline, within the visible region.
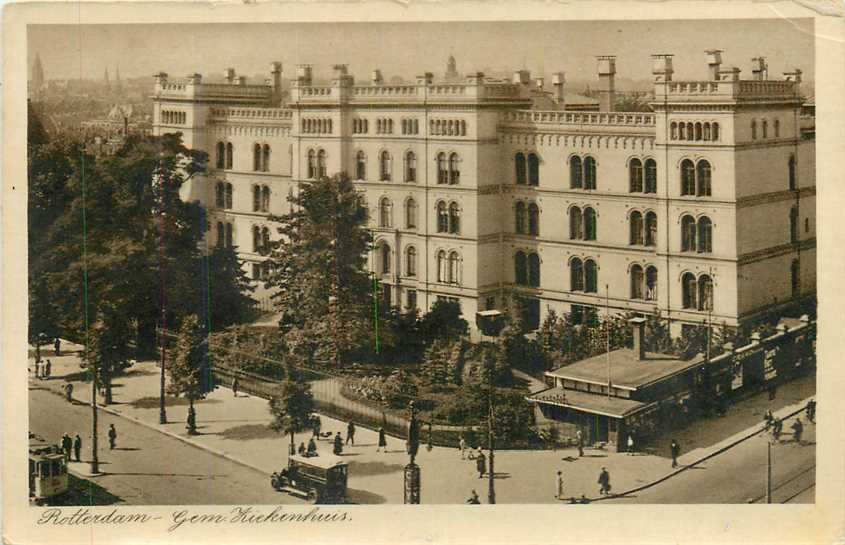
(382, 440)
(112, 437)
(604, 482)
(768, 419)
(57, 345)
(67, 444)
(777, 428)
(69, 392)
(675, 448)
(312, 448)
(772, 392)
(338, 444)
(48, 367)
(473, 498)
(350, 433)
(37, 368)
(316, 424)
(630, 445)
(301, 449)
(797, 430)
(77, 447)
(811, 411)
(481, 464)
(559, 485)
(579, 437)
(235, 385)
(462, 446)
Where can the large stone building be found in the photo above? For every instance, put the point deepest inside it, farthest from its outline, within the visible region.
(703, 209)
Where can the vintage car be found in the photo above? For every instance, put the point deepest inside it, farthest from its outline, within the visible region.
(317, 478)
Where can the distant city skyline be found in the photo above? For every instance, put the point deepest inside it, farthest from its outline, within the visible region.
(86, 51)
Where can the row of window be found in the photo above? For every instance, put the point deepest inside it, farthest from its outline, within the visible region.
(169, 117)
(448, 127)
(764, 127)
(316, 126)
(694, 131)
(360, 126)
(410, 126)
(448, 167)
(448, 263)
(384, 126)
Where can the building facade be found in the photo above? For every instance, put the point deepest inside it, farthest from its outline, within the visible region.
(701, 210)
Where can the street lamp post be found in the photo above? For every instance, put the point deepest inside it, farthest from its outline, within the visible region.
(491, 486)
(162, 412)
(95, 462)
(769, 471)
(412, 470)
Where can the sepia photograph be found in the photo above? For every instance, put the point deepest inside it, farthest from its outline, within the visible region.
(316, 266)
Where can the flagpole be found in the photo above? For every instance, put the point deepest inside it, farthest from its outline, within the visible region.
(607, 332)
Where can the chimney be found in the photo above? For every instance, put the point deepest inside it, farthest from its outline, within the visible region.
(229, 74)
(759, 68)
(607, 82)
(558, 80)
(276, 76)
(638, 330)
(714, 63)
(661, 67)
(377, 78)
(425, 79)
(303, 74)
(521, 77)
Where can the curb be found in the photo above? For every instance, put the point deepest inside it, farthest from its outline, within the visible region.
(156, 427)
(704, 458)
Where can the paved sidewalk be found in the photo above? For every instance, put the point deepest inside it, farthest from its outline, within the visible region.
(237, 428)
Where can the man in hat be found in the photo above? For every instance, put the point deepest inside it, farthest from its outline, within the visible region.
(77, 447)
(604, 482)
(481, 464)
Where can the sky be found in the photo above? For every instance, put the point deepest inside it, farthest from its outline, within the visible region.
(407, 49)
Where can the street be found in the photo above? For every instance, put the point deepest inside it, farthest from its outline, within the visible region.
(148, 467)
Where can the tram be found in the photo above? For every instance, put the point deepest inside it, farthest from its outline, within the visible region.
(47, 471)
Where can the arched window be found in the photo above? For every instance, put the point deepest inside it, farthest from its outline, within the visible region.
(703, 178)
(411, 261)
(673, 131)
(220, 194)
(687, 234)
(575, 174)
(706, 132)
(519, 161)
(520, 218)
(589, 173)
(228, 196)
(442, 171)
(705, 292)
(637, 282)
(705, 235)
(454, 169)
(698, 131)
(265, 239)
(256, 198)
(256, 239)
(386, 258)
(765, 126)
(390, 126)
(386, 166)
(777, 128)
(385, 212)
(221, 155)
(533, 169)
(589, 224)
(312, 164)
(265, 161)
(635, 176)
(442, 218)
(575, 224)
(360, 166)
(651, 283)
(795, 277)
(404, 126)
(793, 224)
(715, 131)
(754, 129)
(463, 128)
(690, 289)
(221, 234)
(265, 199)
(791, 166)
(521, 268)
(411, 214)
(682, 131)
(534, 270)
(416, 126)
(650, 229)
(229, 238)
(690, 131)
(230, 152)
(454, 263)
(410, 167)
(533, 219)
(442, 267)
(321, 164)
(687, 177)
(650, 176)
(591, 276)
(636, 228)
(256, 157)
(576, 275)
(454, 218)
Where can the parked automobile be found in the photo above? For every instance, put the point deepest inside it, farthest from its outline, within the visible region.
(316, 478)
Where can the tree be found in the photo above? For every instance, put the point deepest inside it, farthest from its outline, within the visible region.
(318, 268)
(190, 365)
(443, 321)
(229, 290)
(291, 407)
(108, 350)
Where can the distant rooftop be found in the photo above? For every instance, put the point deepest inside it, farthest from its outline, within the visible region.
(588, 402)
